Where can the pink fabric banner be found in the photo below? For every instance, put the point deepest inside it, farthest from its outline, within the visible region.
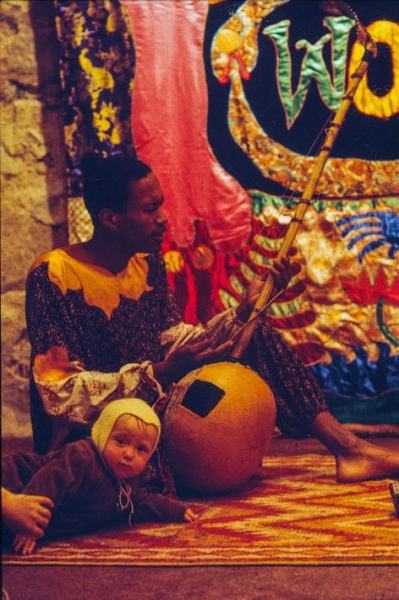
(169, 122)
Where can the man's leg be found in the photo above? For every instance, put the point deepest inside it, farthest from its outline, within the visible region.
(301, 409)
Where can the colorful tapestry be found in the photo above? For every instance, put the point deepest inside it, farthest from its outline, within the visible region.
(97, 67)
(276, 70)
(294, 514)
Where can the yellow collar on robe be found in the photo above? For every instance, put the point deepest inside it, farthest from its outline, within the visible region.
(100, 287)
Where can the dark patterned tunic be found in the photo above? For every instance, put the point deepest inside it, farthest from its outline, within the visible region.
(94, 336)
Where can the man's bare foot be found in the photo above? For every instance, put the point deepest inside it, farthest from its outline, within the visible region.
(366, 461)
(357, 460)
(26, 514)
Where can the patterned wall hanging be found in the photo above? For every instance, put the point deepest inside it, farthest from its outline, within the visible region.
(237, 92)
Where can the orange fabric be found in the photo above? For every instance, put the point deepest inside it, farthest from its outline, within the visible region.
(53, 365)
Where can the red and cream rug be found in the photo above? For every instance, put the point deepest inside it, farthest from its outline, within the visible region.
(292, 513)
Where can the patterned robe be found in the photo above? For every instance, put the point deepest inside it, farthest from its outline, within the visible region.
(95, 335)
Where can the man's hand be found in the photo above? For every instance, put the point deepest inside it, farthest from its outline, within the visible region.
(189, 357)
(281, 271)
(26, 514)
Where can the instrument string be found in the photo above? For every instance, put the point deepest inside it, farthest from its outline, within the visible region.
(255, 314)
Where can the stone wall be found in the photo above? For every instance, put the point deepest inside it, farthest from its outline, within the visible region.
(33, 201)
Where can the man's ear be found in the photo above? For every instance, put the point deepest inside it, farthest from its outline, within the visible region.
(109, 219)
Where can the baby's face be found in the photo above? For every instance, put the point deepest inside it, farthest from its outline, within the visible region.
(129, 447)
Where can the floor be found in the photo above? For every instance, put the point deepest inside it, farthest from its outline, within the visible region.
(211, 583)
(206, 583)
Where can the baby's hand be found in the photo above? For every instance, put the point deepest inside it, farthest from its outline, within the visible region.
(190, 516)
(24, 544)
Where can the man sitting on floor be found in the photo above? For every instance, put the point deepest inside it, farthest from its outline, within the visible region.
(103, 324)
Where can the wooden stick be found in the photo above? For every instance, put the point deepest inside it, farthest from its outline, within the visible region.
(307, 195)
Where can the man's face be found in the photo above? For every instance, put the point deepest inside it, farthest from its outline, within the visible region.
(142, 226)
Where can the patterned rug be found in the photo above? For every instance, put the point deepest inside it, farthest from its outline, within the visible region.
(293, 512)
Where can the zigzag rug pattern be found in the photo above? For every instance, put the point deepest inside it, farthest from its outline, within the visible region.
(293, 512)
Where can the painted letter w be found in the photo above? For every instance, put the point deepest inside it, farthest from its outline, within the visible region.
(331, 88)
